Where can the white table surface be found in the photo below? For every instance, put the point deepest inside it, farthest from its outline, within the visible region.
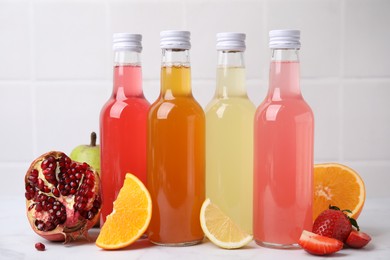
(17, 241)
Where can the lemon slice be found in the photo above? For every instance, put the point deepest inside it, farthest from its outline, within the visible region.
(220, 229)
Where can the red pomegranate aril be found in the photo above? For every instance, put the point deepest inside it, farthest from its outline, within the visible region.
(39, 224)
(55, 192)
(40, 246)
(90, 215)
(94, 210)
(28, 196)
(38, 207)
(47, 171)
(97, 203)
(32, 179)
(34, 172)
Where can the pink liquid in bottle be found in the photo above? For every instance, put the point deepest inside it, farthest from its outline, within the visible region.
(283, 157)
(123, 129)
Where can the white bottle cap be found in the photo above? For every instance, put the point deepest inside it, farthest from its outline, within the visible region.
(284, 39)
(175, 40)
(127, 42)
(230, 41)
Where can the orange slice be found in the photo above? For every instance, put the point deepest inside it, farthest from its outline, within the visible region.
(220, 229)
(338, 185)
(129, 218)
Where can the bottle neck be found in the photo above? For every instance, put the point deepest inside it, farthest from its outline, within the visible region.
(284, 74)
(175, 73)
(127, 75)
(230, 74)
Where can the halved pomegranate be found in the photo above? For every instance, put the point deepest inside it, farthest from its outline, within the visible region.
(62, 197)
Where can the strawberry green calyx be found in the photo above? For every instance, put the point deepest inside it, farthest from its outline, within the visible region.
(351, 220)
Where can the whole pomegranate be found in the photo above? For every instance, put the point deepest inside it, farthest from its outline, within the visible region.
(62, 197)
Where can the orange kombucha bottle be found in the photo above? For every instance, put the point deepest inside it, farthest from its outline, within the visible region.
(176, 150)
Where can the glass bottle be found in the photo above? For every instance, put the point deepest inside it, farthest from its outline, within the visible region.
(176, 149)
(283, 150)
(123, 122)
(229, 135)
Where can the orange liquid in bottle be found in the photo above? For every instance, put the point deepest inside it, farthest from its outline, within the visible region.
(176, 161)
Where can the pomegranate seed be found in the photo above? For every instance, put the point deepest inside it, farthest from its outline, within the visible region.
(97, 203)
(40, 246)
(32, 179)
(40, 184)
(28, 196)
(67, 180)
(55, 192)
(90, 215)
(49, 226)
(85, 165)
(31, 207)
(29, 188)
(40, 225)
(90, 194)
(38, 207)
(46, 172)
(61, 187)
(34, 172)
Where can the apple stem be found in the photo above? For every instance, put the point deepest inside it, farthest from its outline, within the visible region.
(93, 139)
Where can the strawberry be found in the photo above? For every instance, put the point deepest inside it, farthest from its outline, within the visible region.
(357, 239)
(334, 223)
(319, 245)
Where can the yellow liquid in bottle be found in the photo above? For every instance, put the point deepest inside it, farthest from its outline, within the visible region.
(229, 147)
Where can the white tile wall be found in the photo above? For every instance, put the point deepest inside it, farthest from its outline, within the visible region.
(366, 120)
(205, 18)
(148, 18)
(15, 42)
(70, 40)
(56, 58)
(67, 113)
(367, 38)
(17, 125)
(324, 99)
(320, 23)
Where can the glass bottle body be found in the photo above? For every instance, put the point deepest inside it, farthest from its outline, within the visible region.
(283, 157)
(176, 156)
(229, 142)
(123, 128)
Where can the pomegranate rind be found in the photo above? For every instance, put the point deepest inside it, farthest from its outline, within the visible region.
(78, 226)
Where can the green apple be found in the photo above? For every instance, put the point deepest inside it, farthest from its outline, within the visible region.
(88, 153)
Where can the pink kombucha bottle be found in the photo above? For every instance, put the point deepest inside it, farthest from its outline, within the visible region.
(283, 150)
(123, 122)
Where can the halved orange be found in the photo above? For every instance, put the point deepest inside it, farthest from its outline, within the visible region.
(340, 186)
(130, 217)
